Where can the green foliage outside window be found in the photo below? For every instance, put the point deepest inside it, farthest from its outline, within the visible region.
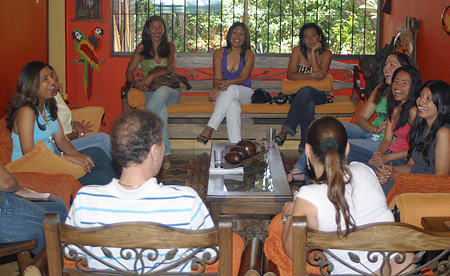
(350, 25)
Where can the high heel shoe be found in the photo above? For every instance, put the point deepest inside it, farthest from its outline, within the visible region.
(293, 181)
(202, 139)
(279, 140)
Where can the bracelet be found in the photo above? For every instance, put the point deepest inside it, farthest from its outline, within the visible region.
(285, 217)
(62, 154)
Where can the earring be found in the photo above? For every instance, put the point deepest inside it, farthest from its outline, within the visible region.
(308, 164)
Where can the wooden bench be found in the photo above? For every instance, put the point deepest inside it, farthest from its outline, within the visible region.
(188, 118)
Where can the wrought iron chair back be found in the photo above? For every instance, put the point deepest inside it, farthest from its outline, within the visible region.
(381, 241)
(139, 243)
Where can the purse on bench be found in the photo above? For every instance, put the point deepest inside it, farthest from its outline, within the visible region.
(171, 79)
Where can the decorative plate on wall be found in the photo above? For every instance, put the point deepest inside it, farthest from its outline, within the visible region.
(446, 20)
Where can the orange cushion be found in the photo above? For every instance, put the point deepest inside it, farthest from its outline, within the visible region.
(273, 249)
(291, 87)
(136, 97)
(419, 183)
(43, 160)
(64, 186)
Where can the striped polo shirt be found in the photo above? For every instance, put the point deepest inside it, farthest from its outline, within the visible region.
(171, 205)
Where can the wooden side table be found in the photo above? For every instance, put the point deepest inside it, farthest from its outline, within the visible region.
(438, 224)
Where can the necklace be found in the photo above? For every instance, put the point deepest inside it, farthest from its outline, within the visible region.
(131, 186)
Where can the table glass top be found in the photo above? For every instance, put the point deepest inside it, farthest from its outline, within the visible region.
(262, 175)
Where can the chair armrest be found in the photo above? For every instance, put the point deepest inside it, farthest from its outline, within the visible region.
(90, 113)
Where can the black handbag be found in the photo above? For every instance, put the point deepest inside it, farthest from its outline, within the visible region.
(261, 96)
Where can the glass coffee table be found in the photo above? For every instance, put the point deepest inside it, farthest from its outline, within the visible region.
(261, 188)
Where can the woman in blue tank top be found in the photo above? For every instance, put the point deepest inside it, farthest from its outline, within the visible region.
(232, 66)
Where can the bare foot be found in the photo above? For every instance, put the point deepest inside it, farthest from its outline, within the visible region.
(295, 175)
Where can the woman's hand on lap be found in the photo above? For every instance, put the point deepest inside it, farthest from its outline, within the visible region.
(82, 159)
(384, 173)
(213, 95)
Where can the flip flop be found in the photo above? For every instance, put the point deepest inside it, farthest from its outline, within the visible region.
(202, 139)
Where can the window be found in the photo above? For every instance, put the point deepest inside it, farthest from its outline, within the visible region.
(201, 25)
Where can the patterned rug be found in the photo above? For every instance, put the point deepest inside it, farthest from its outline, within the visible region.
(191, 169)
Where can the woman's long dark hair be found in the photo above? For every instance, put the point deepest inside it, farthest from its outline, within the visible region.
(440, 92)
(319, 31)
(163, 48)
(246, 45)
(414, 91)
(404, 60)
(26, 94)
(328, 139)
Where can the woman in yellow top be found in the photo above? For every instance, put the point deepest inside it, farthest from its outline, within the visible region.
(309, 60)
(155, 50)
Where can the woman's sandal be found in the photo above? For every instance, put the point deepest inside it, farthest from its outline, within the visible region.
(293, 181)
(279, 140)
(202, 139)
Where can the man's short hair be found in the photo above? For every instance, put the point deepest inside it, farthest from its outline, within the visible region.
(132, 136)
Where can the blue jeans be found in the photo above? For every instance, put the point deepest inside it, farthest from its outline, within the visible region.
(100, 140)
(103, 172)
(21, 219)
(157, 102)
(354, 131)
(302, 111)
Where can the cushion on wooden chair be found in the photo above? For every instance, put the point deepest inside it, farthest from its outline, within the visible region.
(419, 183)
(414, 206)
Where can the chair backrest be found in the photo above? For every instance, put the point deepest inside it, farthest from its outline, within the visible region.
(6, 144)
(381, 240)
(139, 241)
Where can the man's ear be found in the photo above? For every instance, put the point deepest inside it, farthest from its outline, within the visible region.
(155, 151)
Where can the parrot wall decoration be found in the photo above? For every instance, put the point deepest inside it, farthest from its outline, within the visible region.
(87, 49)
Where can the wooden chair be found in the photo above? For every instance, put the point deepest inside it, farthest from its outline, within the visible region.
(21, 250)
(140, 240)
(381, 240)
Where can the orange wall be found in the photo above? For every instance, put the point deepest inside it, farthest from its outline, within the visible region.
(23, 29)
(433, 45)
(111, 76)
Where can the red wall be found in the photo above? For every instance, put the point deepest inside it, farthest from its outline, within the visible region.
(23, 29)
(433, 45)
(111, 75)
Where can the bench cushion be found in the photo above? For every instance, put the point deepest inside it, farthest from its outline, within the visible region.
(195, 104)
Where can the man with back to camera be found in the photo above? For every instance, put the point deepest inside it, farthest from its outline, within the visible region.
(137, 148)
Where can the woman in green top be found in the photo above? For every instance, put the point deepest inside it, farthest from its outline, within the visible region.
(156, 50)
(365, 137)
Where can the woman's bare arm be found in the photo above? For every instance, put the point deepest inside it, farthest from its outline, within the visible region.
(8, 182)
(442, 162)
(300, 207)
(367, 112)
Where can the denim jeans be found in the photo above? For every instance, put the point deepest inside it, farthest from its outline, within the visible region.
(103, 172)
(21, 219)
(354, 131)
(100, 140)
(302, 111)
(362, 150)
(157, 102)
